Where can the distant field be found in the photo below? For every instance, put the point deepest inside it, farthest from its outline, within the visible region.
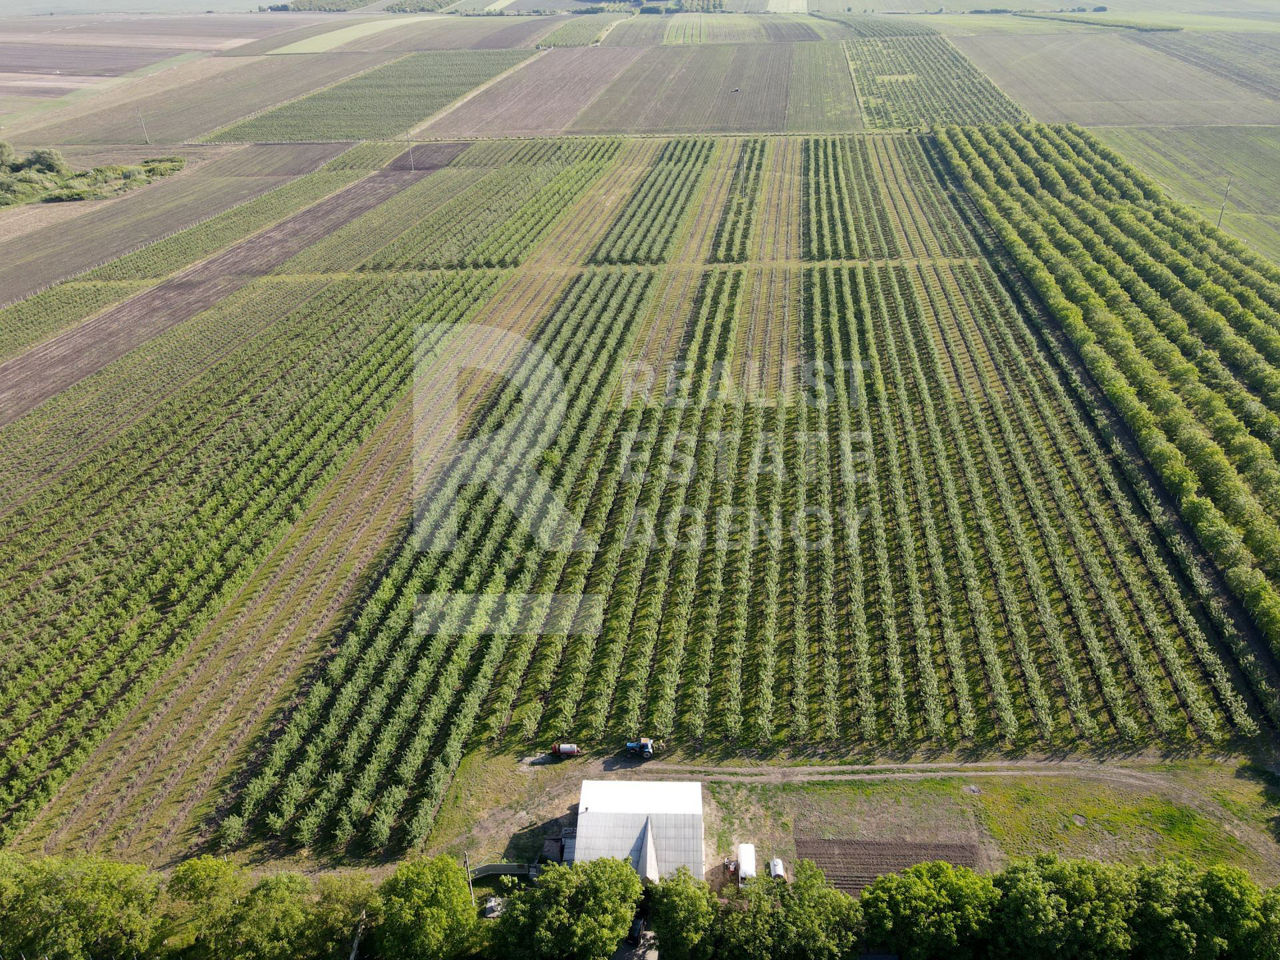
(639, 31)
(541, 98)
(340, 36)
(456, 33)
(1194, 164)
(379, 104)
(581, 31)
(917, 81)
(1251, 60)
(690, 89)
(191, 101)
(82, 59)
(37, 259)
(153, 30)
(869, 26)
(1110, 78)
(713, 28)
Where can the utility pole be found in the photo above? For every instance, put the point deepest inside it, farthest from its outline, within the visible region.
(144, 127)
(414, 169)
(1225, 193)
(466, 865)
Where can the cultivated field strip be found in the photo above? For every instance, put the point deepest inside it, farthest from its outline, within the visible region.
(379, 104)
(1247, 59)
(733, 232)
(542, 98)
(494, 223)
(35, 260)
(193, 99)
(68, 303)
(643, 230)
(781, 213)
(371, 765)
(917, 81)
(1176, 321)
(55, 364)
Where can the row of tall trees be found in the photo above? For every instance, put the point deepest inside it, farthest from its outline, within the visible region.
(93, 909)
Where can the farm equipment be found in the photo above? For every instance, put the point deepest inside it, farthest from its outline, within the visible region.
(565, 750)
(644, 748)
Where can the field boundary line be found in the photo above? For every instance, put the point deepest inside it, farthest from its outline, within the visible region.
(599, 40)
(208, 137)
(77, 278)
(474, 91)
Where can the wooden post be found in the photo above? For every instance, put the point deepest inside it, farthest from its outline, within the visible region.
(466, 863)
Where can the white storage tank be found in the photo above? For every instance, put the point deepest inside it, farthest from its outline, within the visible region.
(746, 862)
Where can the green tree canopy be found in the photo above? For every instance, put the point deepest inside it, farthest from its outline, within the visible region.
(425, 910)
(47, 160)
(578, 912)
(930, 910)
(1181, 912)
(682, 911)
(804, 920)
(76, 909)
(1077, 909)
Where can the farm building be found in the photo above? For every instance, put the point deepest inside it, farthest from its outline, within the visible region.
(656, 824)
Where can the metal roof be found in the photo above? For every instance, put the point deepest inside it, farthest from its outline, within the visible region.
(655, 825)
(641, 796)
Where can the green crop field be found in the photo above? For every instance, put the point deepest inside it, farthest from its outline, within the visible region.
(381, 103)
(581, 31)
(788, 386)
(916, 81)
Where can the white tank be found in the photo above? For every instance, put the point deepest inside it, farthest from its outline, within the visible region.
(746, 862)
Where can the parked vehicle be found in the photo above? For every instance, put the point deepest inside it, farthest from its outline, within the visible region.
(565, 750)
(644, 748)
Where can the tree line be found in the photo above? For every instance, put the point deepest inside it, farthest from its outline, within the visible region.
(95, 909)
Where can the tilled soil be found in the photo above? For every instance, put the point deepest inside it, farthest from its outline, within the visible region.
(851, 865)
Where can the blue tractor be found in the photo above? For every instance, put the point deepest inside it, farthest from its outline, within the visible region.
(644, 748)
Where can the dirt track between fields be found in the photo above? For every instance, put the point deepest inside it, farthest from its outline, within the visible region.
(53, 366)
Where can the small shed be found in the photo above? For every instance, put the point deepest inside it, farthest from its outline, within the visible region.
(654, 824)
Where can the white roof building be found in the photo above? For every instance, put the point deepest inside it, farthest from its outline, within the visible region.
(655, 824)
